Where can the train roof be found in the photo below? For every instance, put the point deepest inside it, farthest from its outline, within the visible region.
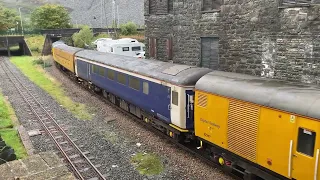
(182, 75)
(66, 48)
(292, 97)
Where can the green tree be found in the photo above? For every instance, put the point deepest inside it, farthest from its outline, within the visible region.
(83, 37)
(50, 16)
(8, 18)
(129, 28)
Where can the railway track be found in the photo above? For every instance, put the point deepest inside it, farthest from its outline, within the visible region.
(80, 164)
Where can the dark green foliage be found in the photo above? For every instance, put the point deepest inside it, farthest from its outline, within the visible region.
(83, 38)
(129, 28)
(8, 18)
(50, 16)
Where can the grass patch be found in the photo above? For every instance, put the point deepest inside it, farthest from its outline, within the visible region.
(14, 48)
(147, 164)
(12, 139)
(47, 83)
(7, 123)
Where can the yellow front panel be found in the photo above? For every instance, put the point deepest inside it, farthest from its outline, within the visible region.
(243, 122)
(211, 118)
(64, 58)
(276, 130)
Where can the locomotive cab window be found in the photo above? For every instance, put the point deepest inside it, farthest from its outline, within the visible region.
(134, 83)
(175, 98)
(110, 74)
(306, 142)
(121, 78)
(145, 88)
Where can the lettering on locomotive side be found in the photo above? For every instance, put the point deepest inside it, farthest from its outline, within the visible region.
(210, 123)
(206, 135)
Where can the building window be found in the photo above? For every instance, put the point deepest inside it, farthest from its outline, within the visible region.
(153, 47)
(121, 78)
(175, 98)
(152, 6)
(306, 142)
(145, 88)
(211, 5)
(210, 52)
(125, 49)
(134, 83)
(110, 74)
(136, 48)
(169, 48)
(170, 6)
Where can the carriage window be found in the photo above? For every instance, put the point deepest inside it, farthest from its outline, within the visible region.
(121, 78)
(175, 98)
(125, 49)
(110, 74)
(95, 69)
(136, 48)
(134, 83)
(306, 142)
(101, 71)
(145, 87)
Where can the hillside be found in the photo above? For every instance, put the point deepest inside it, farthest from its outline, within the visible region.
(88, 11)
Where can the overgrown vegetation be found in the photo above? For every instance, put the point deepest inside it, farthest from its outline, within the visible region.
(50, 16)
(43, 61)
(129, 28)
(83, 38)
(37, 75)
(102, 35)
(147, 164)
(35, 43)
(7, 128)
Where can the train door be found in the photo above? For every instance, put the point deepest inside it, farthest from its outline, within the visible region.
(177, 105)
(305, 154)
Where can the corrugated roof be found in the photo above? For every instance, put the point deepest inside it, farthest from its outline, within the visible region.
(172, 73)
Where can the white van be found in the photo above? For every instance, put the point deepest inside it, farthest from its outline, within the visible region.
(125, 46)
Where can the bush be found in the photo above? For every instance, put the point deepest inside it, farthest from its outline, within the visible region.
(67, 40)
(101, 35)
(43, 61)
(128, 29)
(83, 37)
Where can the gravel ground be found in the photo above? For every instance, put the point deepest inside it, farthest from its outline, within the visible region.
(110, 136)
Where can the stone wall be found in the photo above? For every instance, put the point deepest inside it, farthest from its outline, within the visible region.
(256, 37)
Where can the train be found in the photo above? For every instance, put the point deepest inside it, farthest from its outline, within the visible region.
(260, 128)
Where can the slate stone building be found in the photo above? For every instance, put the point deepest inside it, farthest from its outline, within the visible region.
(271, 38)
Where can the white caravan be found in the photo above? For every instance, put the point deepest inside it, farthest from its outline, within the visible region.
(125, 46)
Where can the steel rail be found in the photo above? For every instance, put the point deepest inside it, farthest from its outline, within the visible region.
(54, 121)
